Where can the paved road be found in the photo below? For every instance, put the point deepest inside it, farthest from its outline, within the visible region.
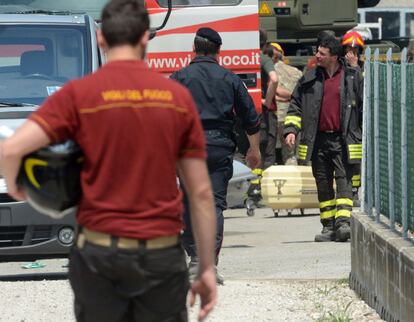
(260, 247)
(268, 247)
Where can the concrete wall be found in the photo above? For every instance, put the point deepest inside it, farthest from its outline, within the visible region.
(382, 269)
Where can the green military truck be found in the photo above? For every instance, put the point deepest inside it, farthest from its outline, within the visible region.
(294, 24)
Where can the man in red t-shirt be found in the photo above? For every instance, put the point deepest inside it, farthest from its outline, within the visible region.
(135, 128)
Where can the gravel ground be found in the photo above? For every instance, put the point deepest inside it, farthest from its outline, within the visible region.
(239, 300)
(290, 301)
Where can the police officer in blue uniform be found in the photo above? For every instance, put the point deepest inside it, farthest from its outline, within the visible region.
(220, 96)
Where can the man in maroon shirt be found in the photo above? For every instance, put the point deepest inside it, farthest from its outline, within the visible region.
(135, 128)
(326, 107)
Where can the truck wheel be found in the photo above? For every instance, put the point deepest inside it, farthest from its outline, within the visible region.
(302, 211)
(276, 213)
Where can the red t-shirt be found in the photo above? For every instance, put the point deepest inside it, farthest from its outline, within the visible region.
(132, 125)
(330, 115)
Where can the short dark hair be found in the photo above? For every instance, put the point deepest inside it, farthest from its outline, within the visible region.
(203, 46)
(333, 44)
(325, 34)
(124, 22)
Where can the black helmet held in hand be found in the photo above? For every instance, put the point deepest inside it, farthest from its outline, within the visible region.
(50, 178)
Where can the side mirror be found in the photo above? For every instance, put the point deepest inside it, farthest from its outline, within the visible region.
(153, 31)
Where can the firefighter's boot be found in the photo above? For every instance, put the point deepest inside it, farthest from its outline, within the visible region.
(343, 231)
(254, 193)
(328, 231)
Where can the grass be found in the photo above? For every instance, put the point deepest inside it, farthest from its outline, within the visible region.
(334, 318)
(340, 316)
(325, 291)
(343, 281)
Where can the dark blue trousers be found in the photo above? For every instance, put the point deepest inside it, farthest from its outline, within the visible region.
(220, 168)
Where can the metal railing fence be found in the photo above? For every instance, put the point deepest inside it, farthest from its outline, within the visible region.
(388, 140)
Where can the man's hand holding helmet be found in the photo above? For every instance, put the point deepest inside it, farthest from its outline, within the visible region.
(353, 46)
(351, 58)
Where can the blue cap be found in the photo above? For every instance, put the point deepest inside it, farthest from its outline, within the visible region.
(209, 34)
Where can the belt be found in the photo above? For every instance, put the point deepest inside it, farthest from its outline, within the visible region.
(103, 239)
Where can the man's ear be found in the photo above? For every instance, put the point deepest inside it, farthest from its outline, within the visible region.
(145, 39)
(101, 40)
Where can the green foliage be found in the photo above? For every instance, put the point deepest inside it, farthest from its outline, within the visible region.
(326, 290)
(339, 316)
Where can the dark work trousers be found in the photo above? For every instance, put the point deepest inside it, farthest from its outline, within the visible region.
(120, 285)
(329, 161)
(268, 137)
(289, 155)
(356, 177)
(220, 169)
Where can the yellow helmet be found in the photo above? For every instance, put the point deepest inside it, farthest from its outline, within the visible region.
(278, 47)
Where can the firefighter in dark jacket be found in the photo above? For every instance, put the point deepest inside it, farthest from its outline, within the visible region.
(327, 107)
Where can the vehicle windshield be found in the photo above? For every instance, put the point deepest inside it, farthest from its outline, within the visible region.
(91, 7)
(36, 60)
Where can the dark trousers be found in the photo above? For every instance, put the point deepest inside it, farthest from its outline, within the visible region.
(287, 152)
(117, 285)
(329, 161)
(356, 177)
(268, 138)
(220, 169)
